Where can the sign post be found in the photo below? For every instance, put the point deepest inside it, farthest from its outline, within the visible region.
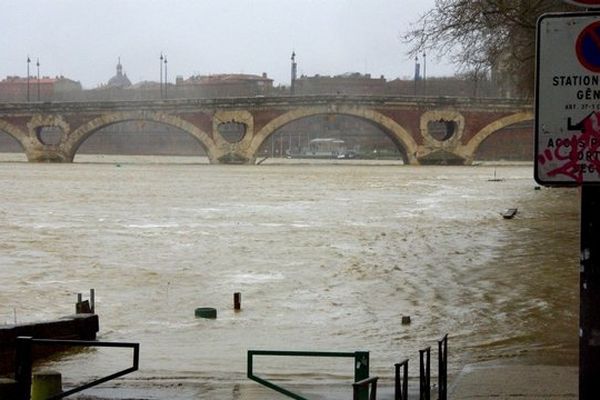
(567, 153)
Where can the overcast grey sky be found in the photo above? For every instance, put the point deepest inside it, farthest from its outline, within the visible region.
(82, 39)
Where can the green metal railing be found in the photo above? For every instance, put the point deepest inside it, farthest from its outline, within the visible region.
(24, 363)
(365, 383)
(361, 368)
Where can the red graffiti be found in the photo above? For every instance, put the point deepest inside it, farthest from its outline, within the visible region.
(579, 154)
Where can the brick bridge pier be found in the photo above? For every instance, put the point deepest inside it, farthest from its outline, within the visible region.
(406, 120)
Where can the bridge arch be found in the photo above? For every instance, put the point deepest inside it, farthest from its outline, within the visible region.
(14, 132)
(397, 132)
(471, 147)
(79, 135)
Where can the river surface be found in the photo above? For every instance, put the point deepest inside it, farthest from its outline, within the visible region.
(327, 258)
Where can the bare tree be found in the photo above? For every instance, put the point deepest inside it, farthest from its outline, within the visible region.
(480, 34)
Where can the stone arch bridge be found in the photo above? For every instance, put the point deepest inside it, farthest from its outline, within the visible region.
(406, 120)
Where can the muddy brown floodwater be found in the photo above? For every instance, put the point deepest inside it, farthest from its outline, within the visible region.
(327, 258)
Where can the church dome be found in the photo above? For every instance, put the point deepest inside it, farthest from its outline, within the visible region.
(120, 80)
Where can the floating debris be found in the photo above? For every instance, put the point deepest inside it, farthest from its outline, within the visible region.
(509, 213)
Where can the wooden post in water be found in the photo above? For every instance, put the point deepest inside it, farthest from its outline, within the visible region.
(237, 301)
(93, 301)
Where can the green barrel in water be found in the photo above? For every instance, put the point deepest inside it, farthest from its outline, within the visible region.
(206, 312)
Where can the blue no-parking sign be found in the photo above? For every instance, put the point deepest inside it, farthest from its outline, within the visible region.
(588, 47)
(567, 103)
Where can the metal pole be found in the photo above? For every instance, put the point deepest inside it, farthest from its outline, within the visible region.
(28, 62)
(416, 73)
(424, 74)
(294, 68)
(166, 81)
(589, 289)
(161, 75)
(38, 78)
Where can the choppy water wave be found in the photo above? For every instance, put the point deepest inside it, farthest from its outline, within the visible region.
(327, 258)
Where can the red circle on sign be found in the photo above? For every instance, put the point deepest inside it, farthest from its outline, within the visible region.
(587, 47)
(584, 3)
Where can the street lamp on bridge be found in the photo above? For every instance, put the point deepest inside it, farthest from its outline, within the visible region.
(166, 80)
(161, 74)
(424, 74)
(28, 62)
(38, 78)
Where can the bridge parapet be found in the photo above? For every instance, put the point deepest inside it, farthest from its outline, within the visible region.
(262, 102)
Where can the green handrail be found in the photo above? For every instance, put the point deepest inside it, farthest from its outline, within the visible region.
(361, 367)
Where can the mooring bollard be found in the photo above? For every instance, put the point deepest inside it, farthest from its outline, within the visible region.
(237, 301)
(79, 300)
(45, 384)
(93, 301)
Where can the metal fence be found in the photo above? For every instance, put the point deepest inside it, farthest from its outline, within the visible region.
(361, 369)
(365, 384)
(443, 368)
(425, 374)
(24, 363)
(401, 381)
(401, 386)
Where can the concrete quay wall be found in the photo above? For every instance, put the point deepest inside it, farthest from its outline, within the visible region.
(73, 327)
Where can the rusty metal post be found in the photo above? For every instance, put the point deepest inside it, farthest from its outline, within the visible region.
(237, 301)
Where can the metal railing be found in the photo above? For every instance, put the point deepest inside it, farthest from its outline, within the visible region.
(365, 383)
(443, 368)
(401, 381)
(401, 387)
(361, 369)
(425, 374)
(24, 363)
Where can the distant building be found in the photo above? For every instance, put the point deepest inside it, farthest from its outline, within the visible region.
(15, 88)
(224, 85)
(461, 86)
(350, 83)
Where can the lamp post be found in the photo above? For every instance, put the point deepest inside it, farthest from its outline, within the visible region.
(166, 80)
(294, 69)
(424, 74)
(38, 78)
(28, 62)
(161, 75)
(417, 73)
